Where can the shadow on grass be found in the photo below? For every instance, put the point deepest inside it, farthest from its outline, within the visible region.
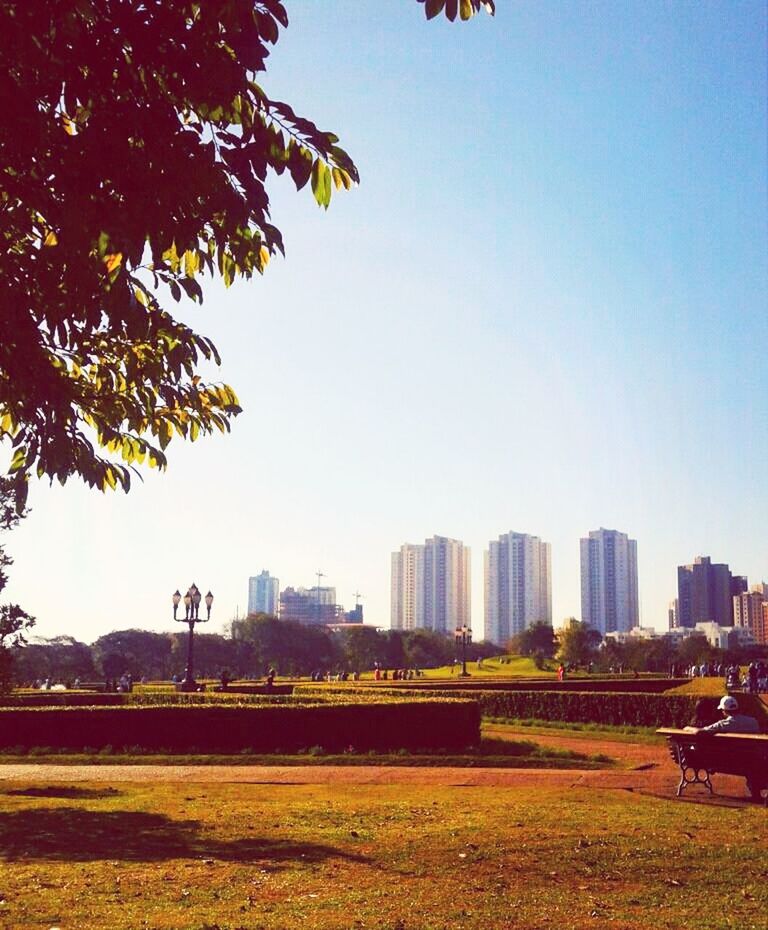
(76, 835)
(62, 791)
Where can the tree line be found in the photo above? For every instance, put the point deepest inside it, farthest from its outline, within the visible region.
(246, 650)
(578, 644)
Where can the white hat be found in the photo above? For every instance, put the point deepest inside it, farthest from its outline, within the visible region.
(728, 702)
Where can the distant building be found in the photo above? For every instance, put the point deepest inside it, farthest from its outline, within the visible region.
(407, 588)
(748, 611)
(310, 605)
(672, 615)
(761, 628)
(518, 585)
(263, 594)
(705, 592)
(430, 586)
(609, 599)
(355, 615)
(633, 635)
(761, 632)
(717, 636)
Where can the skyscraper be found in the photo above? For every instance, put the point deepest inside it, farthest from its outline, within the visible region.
(609, 600)
(407, 591)
(518, 585)
(263, 594)
(431, 586)
(705, 591)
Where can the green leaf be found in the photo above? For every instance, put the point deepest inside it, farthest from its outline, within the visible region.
(321, 183)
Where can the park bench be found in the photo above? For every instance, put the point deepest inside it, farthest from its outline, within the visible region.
(701, 755)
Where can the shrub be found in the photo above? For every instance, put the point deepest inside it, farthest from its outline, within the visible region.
(614, 709)
(377, 725)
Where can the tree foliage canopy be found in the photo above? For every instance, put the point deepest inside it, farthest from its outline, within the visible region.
(14, 622)
(135, 148)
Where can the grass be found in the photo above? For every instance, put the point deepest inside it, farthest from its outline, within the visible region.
(512, 667)
(206, 856)
(533, 726)
(701, 687)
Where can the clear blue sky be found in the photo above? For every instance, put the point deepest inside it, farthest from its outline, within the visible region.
(543, 310)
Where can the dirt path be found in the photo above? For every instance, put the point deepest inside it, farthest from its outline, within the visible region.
(650, 782)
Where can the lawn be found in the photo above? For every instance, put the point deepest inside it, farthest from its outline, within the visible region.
(205, 856)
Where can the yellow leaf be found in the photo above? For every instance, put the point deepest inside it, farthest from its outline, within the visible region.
(51, 238)
(191, 263)
(265, 256)
(113, 261)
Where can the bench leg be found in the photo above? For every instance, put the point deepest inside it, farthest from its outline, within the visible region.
(692, 776)
(756, 789)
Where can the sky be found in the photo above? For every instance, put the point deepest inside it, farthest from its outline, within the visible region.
(543, 310)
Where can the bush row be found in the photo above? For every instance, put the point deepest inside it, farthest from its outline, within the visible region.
(150, 698)
(638, 710)
(413, 725)
(614, 709)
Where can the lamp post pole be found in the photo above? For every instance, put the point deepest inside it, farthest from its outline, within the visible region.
(191, 616)
(463, 636)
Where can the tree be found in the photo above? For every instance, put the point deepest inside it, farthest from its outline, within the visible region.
(292, 648)
(14, 622)
(578, 643)
(361, 647)
(137, 652)
(212, 653)
(538, 639)
(59, 658)
(135, 148)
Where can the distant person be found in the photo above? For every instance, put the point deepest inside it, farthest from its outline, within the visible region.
(733, 721)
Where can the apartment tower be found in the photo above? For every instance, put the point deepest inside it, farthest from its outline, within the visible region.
(263, 594)
(518, 585)
(705, 592)
(609, 599)
(431, 586)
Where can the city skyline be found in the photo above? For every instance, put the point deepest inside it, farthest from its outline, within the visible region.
(531, 313)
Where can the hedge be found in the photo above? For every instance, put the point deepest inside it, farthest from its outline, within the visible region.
(611, 685)
(382, 726)
(615, 709)
(640, 710)
(83, 699)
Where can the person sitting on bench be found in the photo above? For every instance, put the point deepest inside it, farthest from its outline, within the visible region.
(733, 721)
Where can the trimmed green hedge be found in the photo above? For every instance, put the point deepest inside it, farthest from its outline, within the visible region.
(413, 725)
(150, 699)
(614, 709)
(637, 710)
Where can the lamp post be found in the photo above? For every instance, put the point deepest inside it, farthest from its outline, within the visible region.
(463, 636)
(191, 616)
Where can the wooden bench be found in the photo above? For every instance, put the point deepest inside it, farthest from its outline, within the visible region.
(701, 755)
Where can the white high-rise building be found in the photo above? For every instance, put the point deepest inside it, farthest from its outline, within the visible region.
(518, 585)
(407, 592)
(609, 600)
(431, 586)
(263, 594)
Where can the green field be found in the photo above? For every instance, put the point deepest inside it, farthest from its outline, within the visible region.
(393, 857)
